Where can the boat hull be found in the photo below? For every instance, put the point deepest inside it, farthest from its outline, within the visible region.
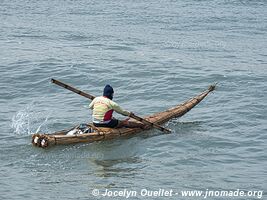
(99, 134)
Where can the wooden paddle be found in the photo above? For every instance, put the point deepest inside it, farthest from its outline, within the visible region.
(140, 119)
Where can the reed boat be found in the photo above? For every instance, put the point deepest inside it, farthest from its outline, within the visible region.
(86, 133)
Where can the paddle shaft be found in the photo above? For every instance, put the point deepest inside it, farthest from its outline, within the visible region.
(72, 89)
(165, 130)
(59, 83)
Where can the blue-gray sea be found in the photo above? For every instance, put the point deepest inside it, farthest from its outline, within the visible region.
(155, 54)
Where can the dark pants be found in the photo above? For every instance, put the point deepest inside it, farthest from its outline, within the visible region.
(112, 124)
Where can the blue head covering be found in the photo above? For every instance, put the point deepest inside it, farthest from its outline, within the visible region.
(108, 92)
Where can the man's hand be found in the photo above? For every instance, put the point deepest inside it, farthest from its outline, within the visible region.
(131, 113)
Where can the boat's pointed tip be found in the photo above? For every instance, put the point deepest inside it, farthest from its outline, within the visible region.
(212, 87)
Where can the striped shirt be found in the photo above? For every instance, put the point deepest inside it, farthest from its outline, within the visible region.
(103, 109)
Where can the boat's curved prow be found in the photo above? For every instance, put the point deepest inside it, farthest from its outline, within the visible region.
(188, 105)
(180, 109)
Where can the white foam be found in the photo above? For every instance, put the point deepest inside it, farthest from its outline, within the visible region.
(29, 120)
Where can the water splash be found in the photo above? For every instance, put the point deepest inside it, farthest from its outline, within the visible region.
(29, 120)
(21, 122)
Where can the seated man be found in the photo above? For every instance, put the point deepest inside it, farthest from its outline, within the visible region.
(103, 108)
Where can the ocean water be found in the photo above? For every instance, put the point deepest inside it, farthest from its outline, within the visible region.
(155, 54)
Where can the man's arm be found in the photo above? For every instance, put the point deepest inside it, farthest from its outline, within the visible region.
(118, 109)
(91, 105)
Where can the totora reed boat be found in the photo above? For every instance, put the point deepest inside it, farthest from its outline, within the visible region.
(84, 133)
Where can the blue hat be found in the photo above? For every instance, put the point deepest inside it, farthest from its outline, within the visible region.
(108, 91)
